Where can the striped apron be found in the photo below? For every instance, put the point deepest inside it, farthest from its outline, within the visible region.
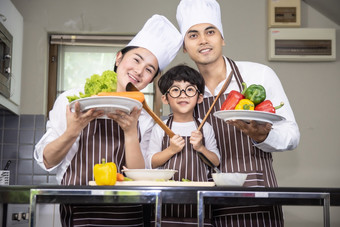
(239, 155)
(190, 167)
(101, 138)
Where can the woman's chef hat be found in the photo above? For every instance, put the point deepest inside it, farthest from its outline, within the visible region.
(192, 12)
(160, 37)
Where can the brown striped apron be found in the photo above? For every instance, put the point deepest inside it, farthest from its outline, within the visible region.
(101, 138)
(238, 154)
(189, 167)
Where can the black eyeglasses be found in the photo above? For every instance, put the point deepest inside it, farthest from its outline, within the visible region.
(189, 91)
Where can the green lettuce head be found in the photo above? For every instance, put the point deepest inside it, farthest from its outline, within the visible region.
(107, 82)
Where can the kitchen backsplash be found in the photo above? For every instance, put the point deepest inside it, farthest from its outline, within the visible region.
(18, 135)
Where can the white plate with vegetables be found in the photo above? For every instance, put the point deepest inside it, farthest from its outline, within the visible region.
(109, 104)
(248, 115)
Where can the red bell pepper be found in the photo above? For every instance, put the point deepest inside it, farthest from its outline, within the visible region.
(267, 106)
(232, 99)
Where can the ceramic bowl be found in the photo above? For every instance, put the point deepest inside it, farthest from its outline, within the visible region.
(149, 174)
(229, 179)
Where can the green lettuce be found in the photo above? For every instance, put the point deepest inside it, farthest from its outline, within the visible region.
(107, 82)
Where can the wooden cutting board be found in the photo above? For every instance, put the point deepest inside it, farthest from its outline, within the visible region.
(161, 183)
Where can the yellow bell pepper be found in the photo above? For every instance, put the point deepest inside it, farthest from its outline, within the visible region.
(105, 173)
(245, 104)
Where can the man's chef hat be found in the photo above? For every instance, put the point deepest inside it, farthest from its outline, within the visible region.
(192, 12)
(160, 37)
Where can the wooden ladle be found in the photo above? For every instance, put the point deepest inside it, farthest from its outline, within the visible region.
(224, 87)
(168, 131)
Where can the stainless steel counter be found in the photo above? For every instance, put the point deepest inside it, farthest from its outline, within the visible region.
(325, 197)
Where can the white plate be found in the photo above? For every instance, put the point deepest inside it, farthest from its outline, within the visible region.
(229, 179)
(109, 104)
(248, 115)
(149, 174)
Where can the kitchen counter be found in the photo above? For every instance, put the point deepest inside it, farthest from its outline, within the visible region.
(161, 195)
(21, 194)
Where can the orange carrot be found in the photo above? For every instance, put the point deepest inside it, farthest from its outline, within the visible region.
(120, 177)
(137, 95)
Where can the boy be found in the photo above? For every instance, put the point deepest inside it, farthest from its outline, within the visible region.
(182, 88)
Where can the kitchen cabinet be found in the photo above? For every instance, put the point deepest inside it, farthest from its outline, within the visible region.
(13, 21)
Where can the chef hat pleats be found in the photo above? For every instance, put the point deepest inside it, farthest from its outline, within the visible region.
(192, 12)
(161, 38)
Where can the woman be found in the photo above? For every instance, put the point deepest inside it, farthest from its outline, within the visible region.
(75, 141)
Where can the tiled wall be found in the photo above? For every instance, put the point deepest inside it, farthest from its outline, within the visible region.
(18, 135)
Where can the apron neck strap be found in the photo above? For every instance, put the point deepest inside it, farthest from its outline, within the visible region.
(237, 73)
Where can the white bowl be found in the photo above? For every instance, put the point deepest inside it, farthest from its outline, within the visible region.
(229, 179)
(149, 174)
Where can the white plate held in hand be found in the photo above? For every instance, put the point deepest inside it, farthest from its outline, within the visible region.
(248, 115)
(109, 104)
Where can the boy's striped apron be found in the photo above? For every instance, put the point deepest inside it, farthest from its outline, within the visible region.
(239, 155)
(102, 138)
(189, 167)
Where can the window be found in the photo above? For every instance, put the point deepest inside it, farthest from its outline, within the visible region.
(75, 58)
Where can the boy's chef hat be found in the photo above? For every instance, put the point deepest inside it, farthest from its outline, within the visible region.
(192, 12)
(160, 37)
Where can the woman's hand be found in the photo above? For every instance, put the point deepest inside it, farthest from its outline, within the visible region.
(77, 120)
(196, 140)
(56, 150)
(127, 122)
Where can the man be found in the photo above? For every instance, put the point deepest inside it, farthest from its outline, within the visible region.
(244, 147)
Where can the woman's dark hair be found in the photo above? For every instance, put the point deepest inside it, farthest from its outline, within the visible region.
(181, 73)
(127, 49)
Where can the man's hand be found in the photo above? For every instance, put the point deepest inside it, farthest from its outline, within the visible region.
(258, 132)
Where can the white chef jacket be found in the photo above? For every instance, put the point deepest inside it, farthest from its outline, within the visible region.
(285, 134)
(182, 129)
(56, 126)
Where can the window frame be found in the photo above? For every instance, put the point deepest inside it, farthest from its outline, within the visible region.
(56, 40)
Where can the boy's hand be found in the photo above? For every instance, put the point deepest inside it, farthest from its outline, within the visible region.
(176, 143)
(196, 140)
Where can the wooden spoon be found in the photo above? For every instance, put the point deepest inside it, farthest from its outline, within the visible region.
(208, 162)
(224, 87)
(168, 131)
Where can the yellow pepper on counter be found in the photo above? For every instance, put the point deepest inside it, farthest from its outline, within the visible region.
(105, 173)
(245, 104)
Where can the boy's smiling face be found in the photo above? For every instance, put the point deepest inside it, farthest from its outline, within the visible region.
(182, 106)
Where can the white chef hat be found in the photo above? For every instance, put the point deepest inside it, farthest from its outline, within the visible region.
(160, 37)
(192, 12)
